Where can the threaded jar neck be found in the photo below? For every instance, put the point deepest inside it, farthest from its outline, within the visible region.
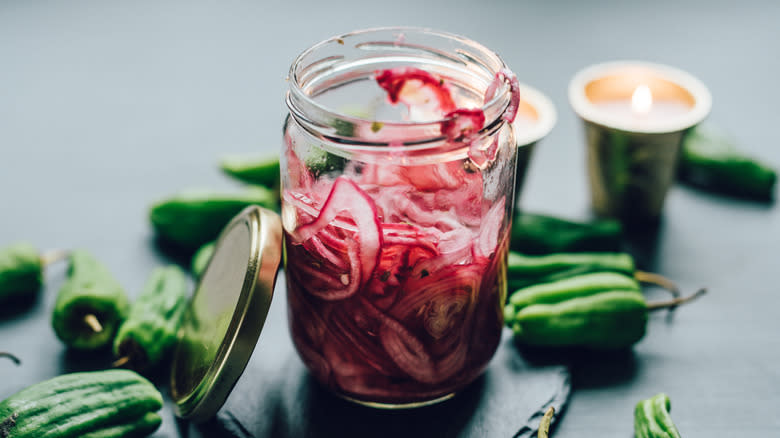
(333, 92)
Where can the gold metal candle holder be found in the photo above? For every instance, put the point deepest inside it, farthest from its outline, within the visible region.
(632, 155)
(535, 119)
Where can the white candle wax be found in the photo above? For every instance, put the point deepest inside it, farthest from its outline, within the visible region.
(661, 111)
(523, 127)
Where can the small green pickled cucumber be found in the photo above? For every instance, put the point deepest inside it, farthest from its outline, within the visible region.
(263, 170)
(193, 219)
(98, 404)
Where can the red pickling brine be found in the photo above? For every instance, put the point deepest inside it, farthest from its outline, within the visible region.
(395, 256)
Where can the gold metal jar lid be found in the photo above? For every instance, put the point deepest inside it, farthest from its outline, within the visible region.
(227, 312)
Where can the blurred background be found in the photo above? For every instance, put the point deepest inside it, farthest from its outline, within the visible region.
(106, 106)
(89, 87)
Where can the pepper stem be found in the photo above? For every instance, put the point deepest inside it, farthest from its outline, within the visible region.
(13, 358)
(544, 425)
(122, 361)
(54, 256)
(93, 323)
(675, 302)
(658, 280)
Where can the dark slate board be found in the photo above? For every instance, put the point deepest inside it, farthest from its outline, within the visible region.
(281, 400)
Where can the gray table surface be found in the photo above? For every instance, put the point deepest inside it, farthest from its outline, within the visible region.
(106, 106)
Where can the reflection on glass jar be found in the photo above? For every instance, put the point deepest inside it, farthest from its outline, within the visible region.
(398, 170)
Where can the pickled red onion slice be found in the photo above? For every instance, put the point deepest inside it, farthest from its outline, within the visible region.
(413, 86)
(435, 176)
(297, 172)
(311, 325)
(379, 178)
(408, 352)
(481, 158)
(330, 283)
(455, 248)
(317, 363)
(463, 124)
(453, 288)
(308, 332)
(506, 75)
(490, 229)
(346, 197)
(314, 245)
(303, 205)
(408, 235)
(404, 348)
(353, 328)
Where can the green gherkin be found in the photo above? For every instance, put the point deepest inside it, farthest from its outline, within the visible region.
(99, 404)
(262, 170)
(21, 272)
(192, 219)
(90, 306)
(148, 334)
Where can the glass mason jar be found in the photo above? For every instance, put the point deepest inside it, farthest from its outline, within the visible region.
(398, 170)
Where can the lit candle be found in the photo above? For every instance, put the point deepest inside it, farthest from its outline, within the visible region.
(635, 114)
(642, 110)
(536, 116)
(642, 100)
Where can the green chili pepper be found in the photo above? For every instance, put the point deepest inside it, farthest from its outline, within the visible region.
(149, 333)
(652, 419)
(572, 287)
(99, 404)
(201, 259)
(540, 266)
(605, 320)
(541, 234)
(193, 219)
(90, 304)
(524, 270)
(21, 272)
(712, 161)
(544, 425)
(263, 170)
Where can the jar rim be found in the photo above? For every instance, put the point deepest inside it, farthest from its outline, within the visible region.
(297, 95)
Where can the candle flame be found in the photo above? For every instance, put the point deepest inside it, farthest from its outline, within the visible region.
(642, 100)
